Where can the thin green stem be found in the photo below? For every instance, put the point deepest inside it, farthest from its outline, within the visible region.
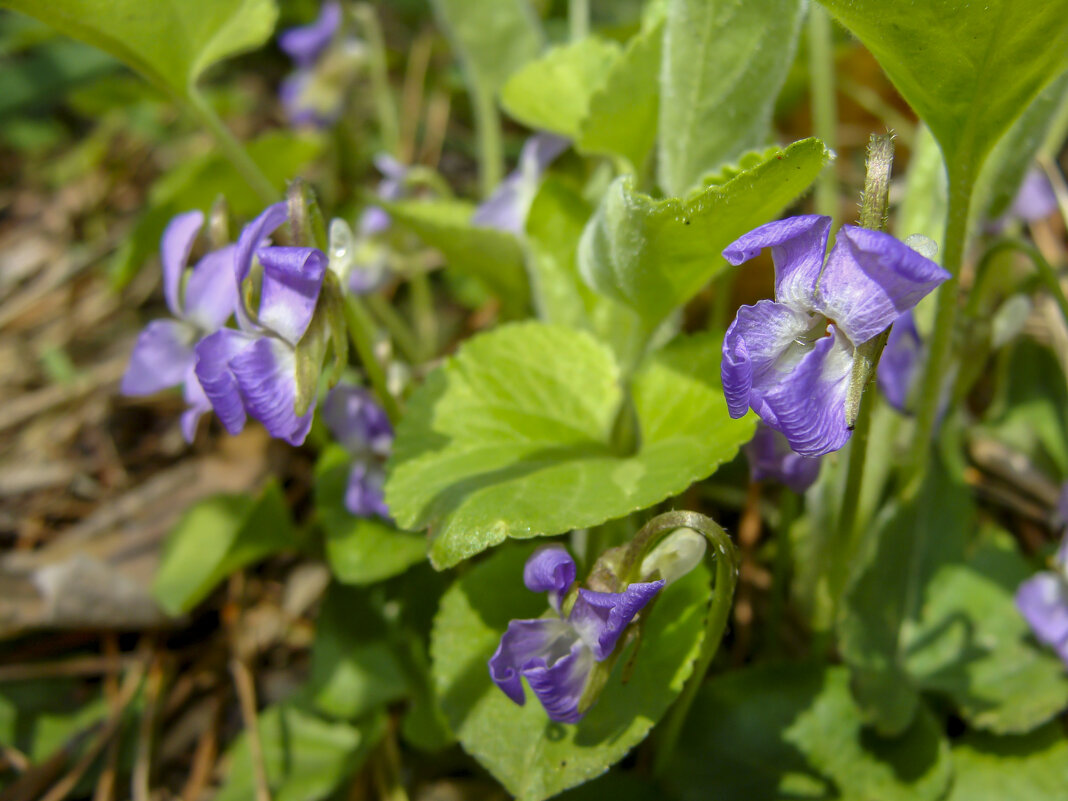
(726, 577)
(406, 340)
(578, 19)
(362, 332)
(490, 146)
(385, 107)
(426, 321)
(232, 148)
(824, 110)
(1044, 269)
(941, 341)
(848, 541)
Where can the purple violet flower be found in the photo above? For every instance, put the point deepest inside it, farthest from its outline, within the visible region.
(314, 93)
(771, 459)
(506, 209)
(556, 654)
(361, 426)
(1035, 200)
(1043, 602)
(252, 371)
(163, 356)
(790, 359)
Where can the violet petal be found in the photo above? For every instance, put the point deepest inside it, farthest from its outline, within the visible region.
(160, 359)
(357, 421)
(900, 361)
(266, 376)
(550, 569)
(772, 459)
(304, 44)
(364, 495)
(559, 685)
(798, 246)
(544, 639)
(1043, 602)
(292, 279)
(214, 353)
(211, 294)
(175, 247)
(601, 617)
(870, 280)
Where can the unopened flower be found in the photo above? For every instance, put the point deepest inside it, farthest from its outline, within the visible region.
(556, 654)
(772, 459)
(326, 63)
(1043, 602)
(506, 209)
(201, 300)
(361, 426)
(252, 371)
(790, 359)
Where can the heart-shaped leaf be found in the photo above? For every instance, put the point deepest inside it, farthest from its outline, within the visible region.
(513, 437)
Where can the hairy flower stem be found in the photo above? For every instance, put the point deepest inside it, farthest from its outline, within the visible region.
(231, 148)
(824, 112)
(723, 553)
(361, 331)
(912, 470)
(873, 214)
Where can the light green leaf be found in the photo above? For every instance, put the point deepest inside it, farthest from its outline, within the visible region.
(654, 255)
(491, 256)
(552, 93)
(354, 668)
(216, 537)
(724, 63)
(1034, 767)
(923, 207)
(170, 42)
(791, 731)
(513, 437)
(305, 757)
(359, 550)
(198, 182)
(968, 70)
(531, 756)
(493, 38)
(554, 227)
(972, 645)
(622, 113)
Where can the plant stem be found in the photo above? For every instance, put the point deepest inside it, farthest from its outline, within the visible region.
(426, 323)
(233, 149)
(490, 147)
(824, 111)
(1045, 271)
(848, 541)
(362, 331)
(388, 124)
(578, 19)
(726, 578)
(398, 329)
(941, 341)
(788, 513)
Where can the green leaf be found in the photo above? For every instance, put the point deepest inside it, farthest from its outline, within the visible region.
(923, 208)
(359, 550)
(967, 70)
(216, 537)
(972, 644)
(654, 255)
(622, 113)
(1034, 767)
(531, 756)
(789, 731)
(554, 226)
(305, 757)
(512, 438)
(493, 38)
(491, 256)
(552, 93)
(1014, 155)
(170, 42)
(354, 668)
(198, 182)
(724, 64)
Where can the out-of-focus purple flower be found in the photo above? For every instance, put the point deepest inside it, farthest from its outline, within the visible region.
(314, 93)
(556, 654)
(790, 359)
(163, 356)
(1035, 200)
(506, 209)
(361, 426)
(1043, 602)
(771, 459)
(900, 362)
(252, 371)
